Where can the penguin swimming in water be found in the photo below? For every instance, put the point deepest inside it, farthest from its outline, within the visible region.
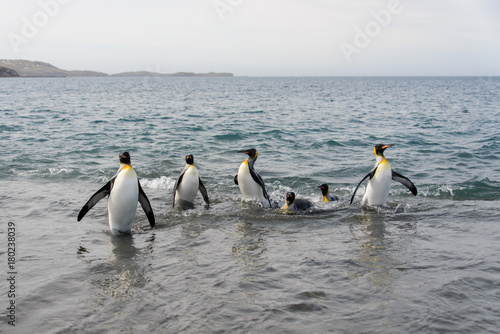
(380, 179)
(124, 191)
(189, 183)
(250, 182)
(326, 196)
(295, 204)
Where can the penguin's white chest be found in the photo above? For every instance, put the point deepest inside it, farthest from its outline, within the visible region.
(377, 190)
(189, 185)
(248, 187)
(122, 201)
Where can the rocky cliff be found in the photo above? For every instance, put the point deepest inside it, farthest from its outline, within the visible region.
(7, 72)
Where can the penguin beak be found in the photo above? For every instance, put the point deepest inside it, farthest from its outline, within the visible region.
(387, 146)
(252, 153)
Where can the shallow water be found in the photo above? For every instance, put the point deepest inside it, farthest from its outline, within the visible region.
(421, 264)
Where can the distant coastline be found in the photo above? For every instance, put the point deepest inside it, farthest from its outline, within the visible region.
(38, 69)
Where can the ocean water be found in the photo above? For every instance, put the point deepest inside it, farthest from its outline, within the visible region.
(423, 264)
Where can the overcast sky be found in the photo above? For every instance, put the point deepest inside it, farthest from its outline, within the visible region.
(257, 37)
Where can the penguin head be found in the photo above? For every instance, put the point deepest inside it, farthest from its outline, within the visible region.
(324, 189)
(380, 148)
(252, 153)
(290, 198)
(124, 158)
(189, 159)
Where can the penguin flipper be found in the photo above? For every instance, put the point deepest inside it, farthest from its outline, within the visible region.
(203, 191)
(236, 179)
(369, 175)
(99, 194)
(258, 179)
(405, 181)
(179, 180)
(266, 196)
(146, 206)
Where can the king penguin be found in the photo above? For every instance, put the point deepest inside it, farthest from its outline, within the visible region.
(380, 178)
(189, 183)
(326, 196)
(295, 204)
(250, 182)
(124, 191)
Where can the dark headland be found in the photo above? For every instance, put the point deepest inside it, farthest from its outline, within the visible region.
(28, 68)
(7, 72)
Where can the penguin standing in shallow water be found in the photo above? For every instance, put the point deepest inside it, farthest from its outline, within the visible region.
(326, 196)
(380, 179)
(124, 191)
(189, 183)
(250, 182)
(295, 204)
